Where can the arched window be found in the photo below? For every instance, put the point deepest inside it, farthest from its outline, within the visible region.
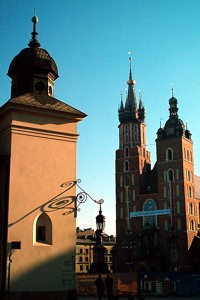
(149, 220)
(43, 229)
(169, 154)
(192, 225)
(191, 209)
(126, 152)
(188, 155)
(184, 153)
(170, 175)
(126, 166)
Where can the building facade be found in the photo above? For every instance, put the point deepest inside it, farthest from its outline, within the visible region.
(38, 137)
(85, 243)
(157, 209)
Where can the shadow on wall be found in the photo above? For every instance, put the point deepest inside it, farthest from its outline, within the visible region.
(58, 202)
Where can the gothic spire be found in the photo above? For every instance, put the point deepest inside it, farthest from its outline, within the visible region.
(131, 103)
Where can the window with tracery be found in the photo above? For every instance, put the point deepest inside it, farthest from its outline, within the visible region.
(150, 219)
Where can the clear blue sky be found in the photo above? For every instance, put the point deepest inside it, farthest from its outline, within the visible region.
(90, 40)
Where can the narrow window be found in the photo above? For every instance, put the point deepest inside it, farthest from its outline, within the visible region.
(126, 152)
(126, 166)
(169, 154)
(170, 175)
(43, 229)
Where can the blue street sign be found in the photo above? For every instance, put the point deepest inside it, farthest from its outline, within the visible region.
(150, 213)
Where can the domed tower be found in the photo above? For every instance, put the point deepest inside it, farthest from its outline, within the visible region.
(33, 69)
(38, 136)
(176, 189)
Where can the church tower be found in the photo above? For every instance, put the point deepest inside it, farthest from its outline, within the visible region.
(38, 137)
(157, 210)
(176, 190)
(132, 160)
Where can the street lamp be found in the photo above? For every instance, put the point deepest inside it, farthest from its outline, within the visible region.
(99, 265)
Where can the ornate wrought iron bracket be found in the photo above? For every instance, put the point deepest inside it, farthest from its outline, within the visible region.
(83, 196)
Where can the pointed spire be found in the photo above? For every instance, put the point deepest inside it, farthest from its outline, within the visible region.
(141, 110)
(131, 103)
(34, 41)
(122, 103)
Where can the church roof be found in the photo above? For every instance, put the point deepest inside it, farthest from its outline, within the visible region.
(46, 102)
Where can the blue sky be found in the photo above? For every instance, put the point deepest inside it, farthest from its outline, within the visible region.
(90, 41)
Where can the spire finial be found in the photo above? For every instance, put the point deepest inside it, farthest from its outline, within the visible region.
(172, 87)
(34, 41)
(130, 60)
(160, 122)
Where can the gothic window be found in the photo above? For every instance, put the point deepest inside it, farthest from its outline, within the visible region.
(170, 175)
(126, 166)
(149, 220)
(126, 137)
(169, 154)
(192, 225)
(184, 153)
(135, 133)
(190, 192)
(191, 209)
(191, 159)
(188, 156)
(126, 152)
(43, 229)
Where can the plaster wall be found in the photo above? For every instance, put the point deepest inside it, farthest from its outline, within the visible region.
(43, 158)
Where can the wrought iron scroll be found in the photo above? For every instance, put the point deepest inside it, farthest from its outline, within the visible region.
(83, 196)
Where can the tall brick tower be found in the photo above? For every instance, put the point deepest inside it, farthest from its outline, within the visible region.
(157, 210)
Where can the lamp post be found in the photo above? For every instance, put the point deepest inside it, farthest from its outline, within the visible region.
(99, 265)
